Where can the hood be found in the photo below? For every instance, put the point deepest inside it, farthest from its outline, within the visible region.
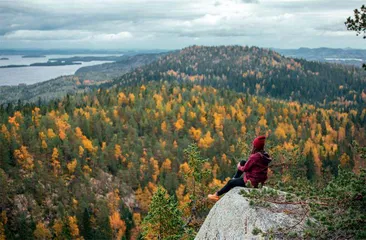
(265, 157)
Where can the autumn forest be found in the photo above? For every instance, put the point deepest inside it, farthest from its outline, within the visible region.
(88, 166)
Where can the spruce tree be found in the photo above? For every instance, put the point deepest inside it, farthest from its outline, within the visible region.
(87, 229)
(164, 220)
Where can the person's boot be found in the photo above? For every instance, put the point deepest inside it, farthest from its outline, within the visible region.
(213, 197)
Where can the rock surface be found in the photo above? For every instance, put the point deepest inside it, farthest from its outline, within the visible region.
(233, 218)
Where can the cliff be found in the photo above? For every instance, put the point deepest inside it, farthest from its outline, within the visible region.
(234, 217)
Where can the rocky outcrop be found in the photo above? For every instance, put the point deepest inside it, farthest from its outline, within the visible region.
(234, 218)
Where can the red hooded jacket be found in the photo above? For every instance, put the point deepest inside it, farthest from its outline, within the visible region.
(256, 168)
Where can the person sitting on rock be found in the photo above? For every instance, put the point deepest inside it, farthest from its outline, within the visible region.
(255, 169)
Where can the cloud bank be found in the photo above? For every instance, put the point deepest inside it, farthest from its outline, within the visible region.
(171, 24)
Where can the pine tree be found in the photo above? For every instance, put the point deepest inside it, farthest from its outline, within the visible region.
(4, 189)
(196, 180)
(87, 232)
(358, 23)
(164, 220)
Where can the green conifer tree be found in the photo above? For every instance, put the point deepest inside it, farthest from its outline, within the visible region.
(164, 220)
(87, 229)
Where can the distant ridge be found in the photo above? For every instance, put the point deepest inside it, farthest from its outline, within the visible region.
(256, 71)
(332, 55)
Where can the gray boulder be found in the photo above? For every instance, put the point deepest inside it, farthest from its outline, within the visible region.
(232, 218)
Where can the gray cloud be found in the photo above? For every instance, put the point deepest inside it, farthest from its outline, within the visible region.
(173, 24)
(216, 33)
(338, 26)
(250, 1)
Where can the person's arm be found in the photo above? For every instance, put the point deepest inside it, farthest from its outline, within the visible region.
(249, 164)
(240, 165)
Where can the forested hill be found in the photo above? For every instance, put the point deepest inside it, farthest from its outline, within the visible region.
(72, 164)
(90, 166)
(258, 71)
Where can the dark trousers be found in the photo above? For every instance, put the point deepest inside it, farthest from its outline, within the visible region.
(236, 181)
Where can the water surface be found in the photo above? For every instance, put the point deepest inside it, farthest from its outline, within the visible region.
(31, 75)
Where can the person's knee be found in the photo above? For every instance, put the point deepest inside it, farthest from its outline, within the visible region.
(242, 162)
(230, 182)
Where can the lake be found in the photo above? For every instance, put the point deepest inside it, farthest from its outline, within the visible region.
(31, 75)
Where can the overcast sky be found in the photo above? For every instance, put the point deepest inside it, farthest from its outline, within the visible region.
(172, 24)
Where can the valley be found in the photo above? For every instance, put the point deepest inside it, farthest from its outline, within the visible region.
(97, 149)
(182, 120)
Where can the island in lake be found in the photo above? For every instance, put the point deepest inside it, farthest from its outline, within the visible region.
(91, 58)
(33, 56)
(67, 61)
(54, 63)
(13, 66)
(45, 64)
